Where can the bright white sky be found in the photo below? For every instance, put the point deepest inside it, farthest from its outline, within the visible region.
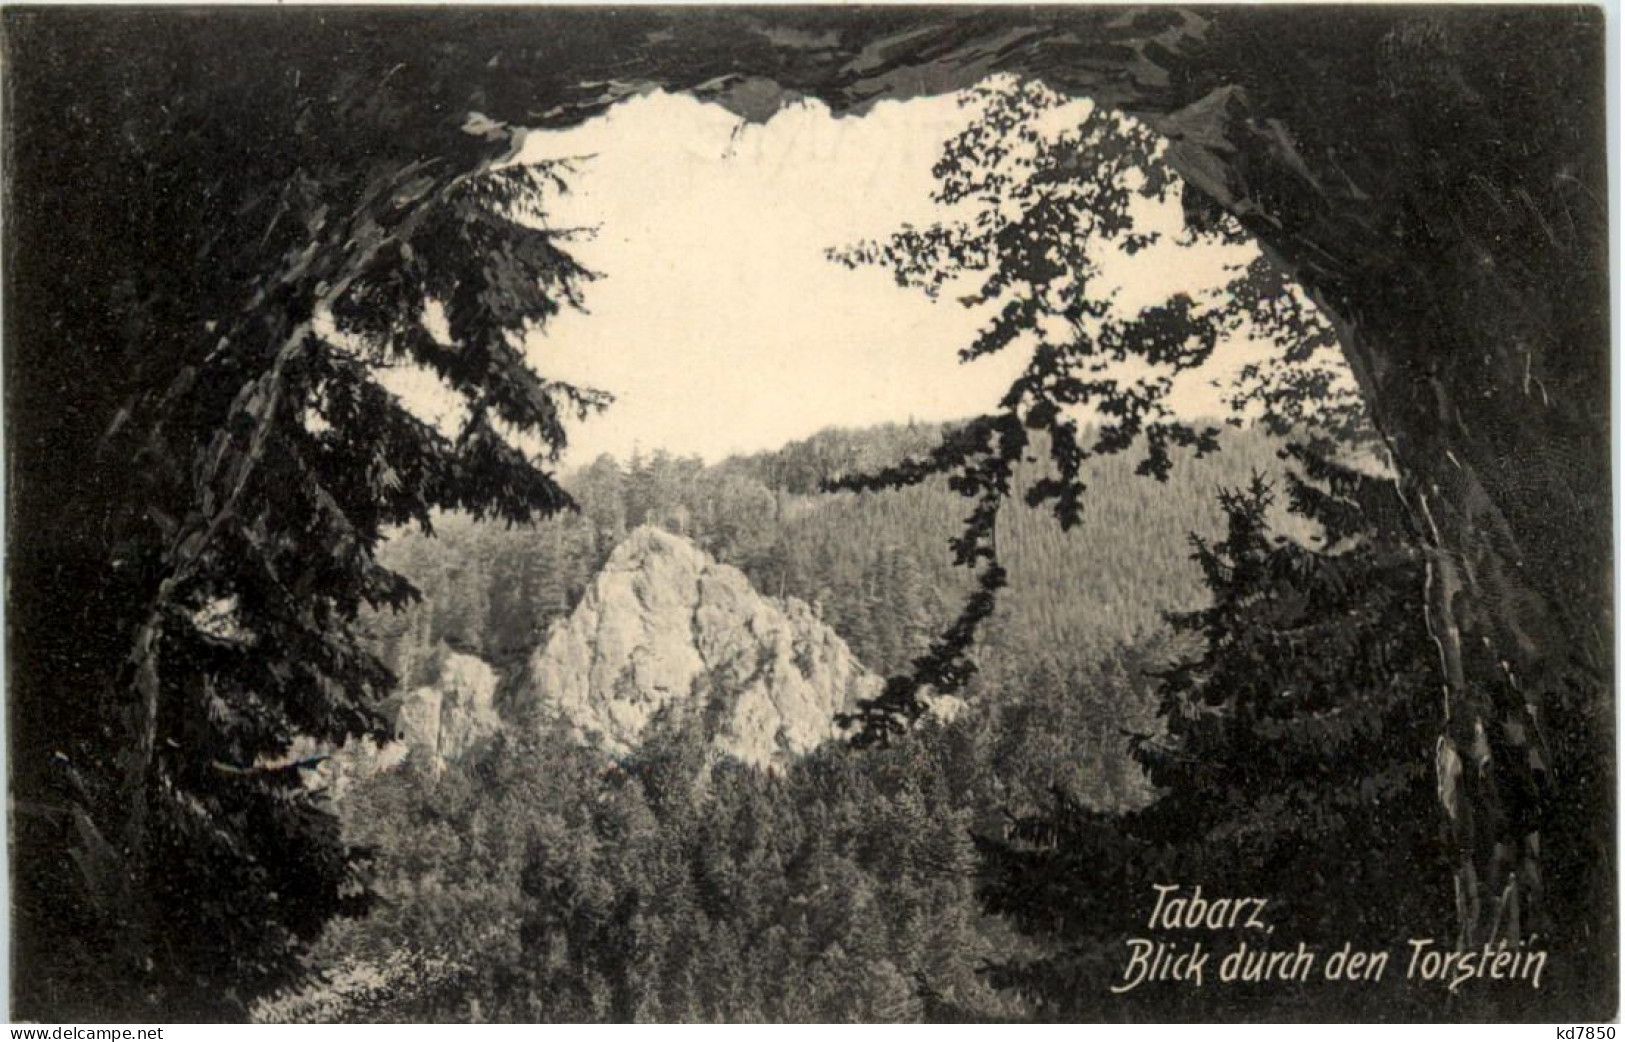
(719, 324)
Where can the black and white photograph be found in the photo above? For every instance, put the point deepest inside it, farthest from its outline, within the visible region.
(819, 514)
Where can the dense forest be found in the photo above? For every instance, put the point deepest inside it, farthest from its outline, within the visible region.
(246, 228)
(877, 564)
(988, 866)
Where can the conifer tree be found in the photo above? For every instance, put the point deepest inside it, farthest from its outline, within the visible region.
(173, 859)
(1290, 761)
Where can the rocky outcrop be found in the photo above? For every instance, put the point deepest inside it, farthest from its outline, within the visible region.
(666, 632)
(442, 721)
(435, 724)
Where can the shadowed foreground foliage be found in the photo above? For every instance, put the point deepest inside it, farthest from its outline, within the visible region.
(191, 199)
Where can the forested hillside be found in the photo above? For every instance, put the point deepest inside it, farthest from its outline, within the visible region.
(875, 564)
(542, 883)
(988, 866)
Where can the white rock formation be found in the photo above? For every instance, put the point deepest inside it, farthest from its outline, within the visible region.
(664, 625)
(440, 722)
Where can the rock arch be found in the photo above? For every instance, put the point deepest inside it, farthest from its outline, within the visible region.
(1437, 178)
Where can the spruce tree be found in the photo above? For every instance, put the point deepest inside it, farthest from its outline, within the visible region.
(224, 543)
(1290, 760)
